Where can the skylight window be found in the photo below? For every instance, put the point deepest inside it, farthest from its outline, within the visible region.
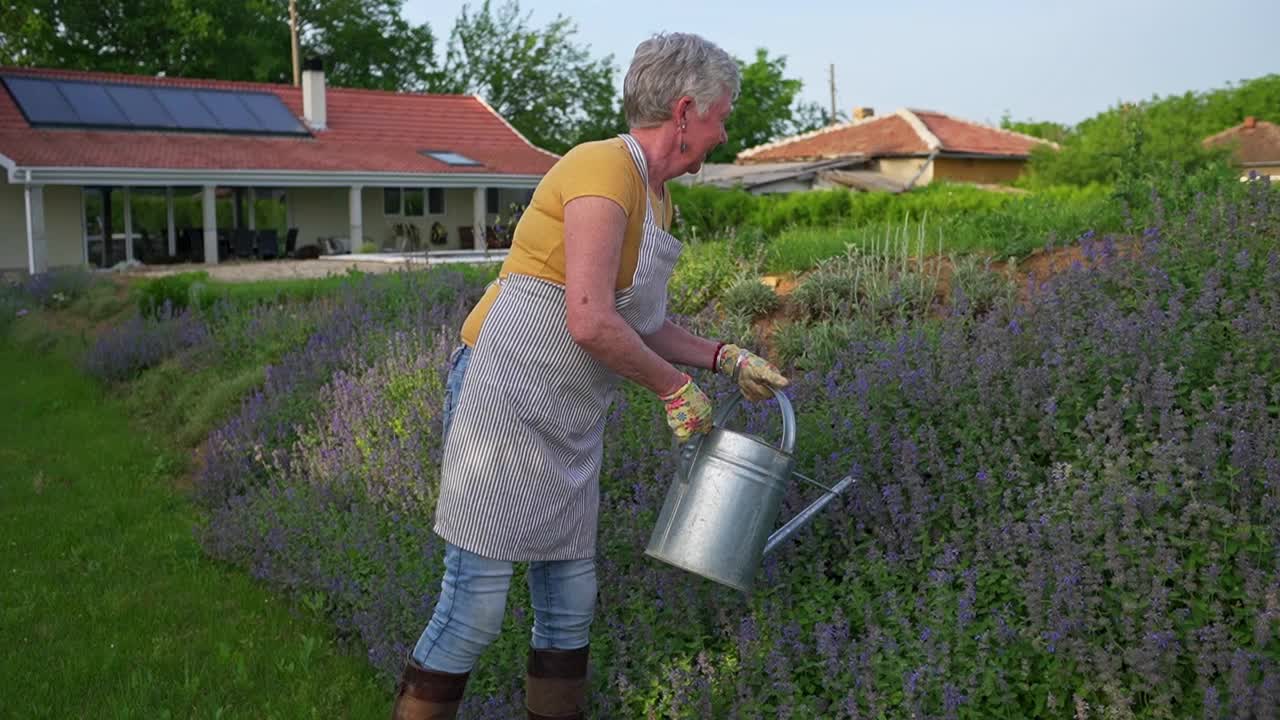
(450, 158)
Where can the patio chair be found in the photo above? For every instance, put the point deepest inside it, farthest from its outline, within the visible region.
(183, 243)
(243, 243)
(224, 244)
(268, 244)
(290, 242)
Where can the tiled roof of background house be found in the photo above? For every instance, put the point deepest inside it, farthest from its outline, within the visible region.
(1256, 141)
(905, 132)
(367, 131)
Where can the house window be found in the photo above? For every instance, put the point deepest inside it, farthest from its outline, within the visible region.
(491, 201)
(413, 202)
(409, 202)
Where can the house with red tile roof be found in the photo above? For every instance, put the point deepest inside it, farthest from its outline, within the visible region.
(909, 147)
(1254, 144)
(96, 168)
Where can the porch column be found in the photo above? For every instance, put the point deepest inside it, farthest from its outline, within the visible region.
(478, 218)
(168, 213)
(128, 225)
(253, 197)
(37, 240)
(356, 211)
(208, 205)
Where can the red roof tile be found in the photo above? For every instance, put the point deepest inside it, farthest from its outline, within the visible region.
(367, 131)
(905, 132)
(962, 136)
(1255, 141)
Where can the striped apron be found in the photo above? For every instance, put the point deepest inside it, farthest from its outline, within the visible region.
(521, 469)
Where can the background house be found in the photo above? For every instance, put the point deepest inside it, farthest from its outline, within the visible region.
(1255, 146)
(99, 167)
(900, 150)
(782, 177)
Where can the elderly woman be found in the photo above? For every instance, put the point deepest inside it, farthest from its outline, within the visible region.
(579, 304)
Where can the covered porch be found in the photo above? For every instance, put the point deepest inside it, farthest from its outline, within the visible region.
(104, 217)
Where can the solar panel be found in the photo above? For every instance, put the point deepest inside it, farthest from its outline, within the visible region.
(41, 102)
(187, 111)
(227, 109)
(272, 113)
(76, 103)
(92, 104)
(140, 106)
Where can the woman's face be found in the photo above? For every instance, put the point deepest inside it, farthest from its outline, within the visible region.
(702, 133)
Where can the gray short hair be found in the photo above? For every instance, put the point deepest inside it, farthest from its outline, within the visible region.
(669, 66)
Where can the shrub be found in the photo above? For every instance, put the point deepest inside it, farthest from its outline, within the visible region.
(56, 288)
(834, 289)
(982, 288)
(702, 273)
(174, 291)
(749, 298)
(814, 346)
(141, 342)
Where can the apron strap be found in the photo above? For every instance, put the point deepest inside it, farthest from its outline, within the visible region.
(637, 155)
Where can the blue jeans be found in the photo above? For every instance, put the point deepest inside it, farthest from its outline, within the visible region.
(473, 594)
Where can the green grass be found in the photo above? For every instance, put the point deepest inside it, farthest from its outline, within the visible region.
(107, 607)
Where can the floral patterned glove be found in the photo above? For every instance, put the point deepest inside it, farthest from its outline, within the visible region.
(756, 376)
(688, 410)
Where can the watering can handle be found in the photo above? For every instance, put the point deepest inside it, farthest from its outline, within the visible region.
(689, 453)
(788, 418)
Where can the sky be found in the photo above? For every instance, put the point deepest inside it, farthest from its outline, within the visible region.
(1062, 61)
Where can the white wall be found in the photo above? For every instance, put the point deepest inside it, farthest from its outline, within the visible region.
(320, 212)
(64, 225)
(62, 221)
(13, 226)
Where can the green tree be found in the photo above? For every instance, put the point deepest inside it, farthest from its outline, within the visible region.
(544, 83)
(808, 116)
(1043, 129)
(366, 42)
(1149, 137)
(763, 110)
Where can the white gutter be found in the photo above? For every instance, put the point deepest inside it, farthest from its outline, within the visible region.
(265, 178)
(11, 167)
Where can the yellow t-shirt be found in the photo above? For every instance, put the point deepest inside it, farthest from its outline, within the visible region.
(600, 169)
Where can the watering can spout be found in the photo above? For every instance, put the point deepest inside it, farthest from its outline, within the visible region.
(803, 518)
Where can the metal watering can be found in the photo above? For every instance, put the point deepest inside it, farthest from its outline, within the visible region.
(717, 518)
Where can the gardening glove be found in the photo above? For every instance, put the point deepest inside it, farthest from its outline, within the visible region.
(756, 376)
(688, 410)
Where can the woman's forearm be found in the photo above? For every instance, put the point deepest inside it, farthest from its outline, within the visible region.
(609, 339)
(677, 345)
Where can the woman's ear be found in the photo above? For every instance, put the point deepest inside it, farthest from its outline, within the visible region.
(681, 111)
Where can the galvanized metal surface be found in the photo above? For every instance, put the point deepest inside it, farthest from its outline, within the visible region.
(718, 516)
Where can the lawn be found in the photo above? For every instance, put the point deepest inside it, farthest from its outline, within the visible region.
(107, 606)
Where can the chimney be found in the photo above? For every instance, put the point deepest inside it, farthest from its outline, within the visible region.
(862, 113)
(1250, 122)
(313, 93)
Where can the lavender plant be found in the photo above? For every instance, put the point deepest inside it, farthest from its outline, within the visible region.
(1065, 508)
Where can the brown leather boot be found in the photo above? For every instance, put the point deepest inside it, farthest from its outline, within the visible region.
(424, 694)
(556, 684)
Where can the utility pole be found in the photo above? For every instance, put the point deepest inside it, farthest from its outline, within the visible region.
(833, 93)
(293, 39)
